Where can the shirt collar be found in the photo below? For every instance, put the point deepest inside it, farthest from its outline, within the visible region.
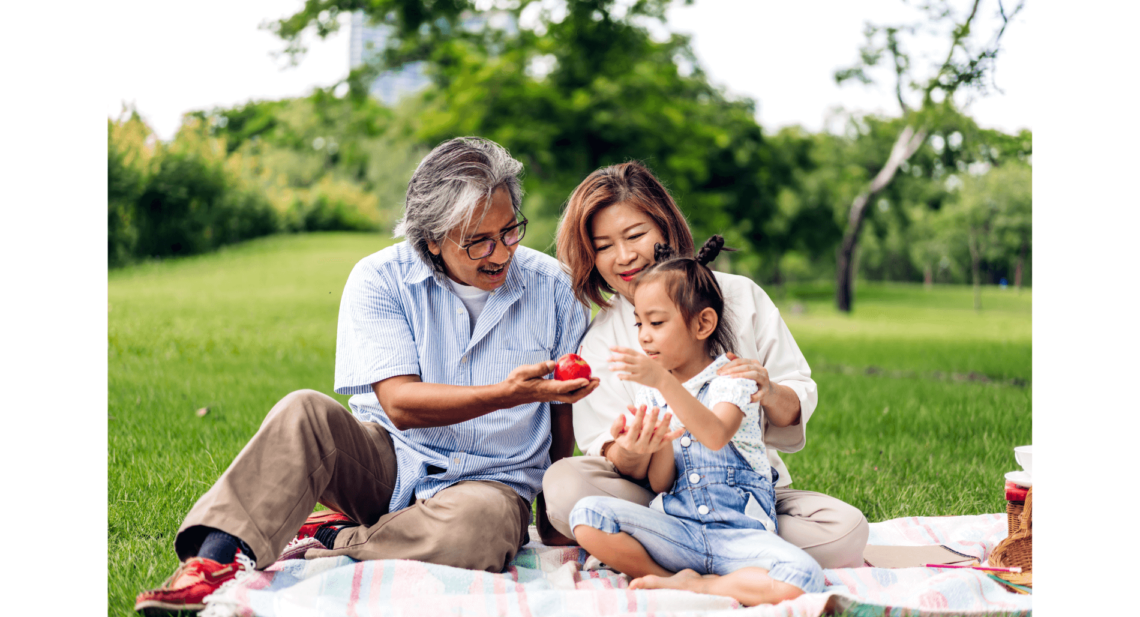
(418, 270)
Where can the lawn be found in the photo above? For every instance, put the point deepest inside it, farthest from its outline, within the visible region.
(921, 398)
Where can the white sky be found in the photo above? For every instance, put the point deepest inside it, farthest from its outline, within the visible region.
(168, 59)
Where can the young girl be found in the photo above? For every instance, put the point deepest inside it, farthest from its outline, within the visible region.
(715, 512)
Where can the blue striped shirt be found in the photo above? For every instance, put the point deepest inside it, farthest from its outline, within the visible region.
(399, 317)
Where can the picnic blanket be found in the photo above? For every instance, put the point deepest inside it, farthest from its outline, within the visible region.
(563, 581)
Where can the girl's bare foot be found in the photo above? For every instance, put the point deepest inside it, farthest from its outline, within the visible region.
(685, 579)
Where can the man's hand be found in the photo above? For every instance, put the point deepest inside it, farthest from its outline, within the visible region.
(525, 384)
(637, 367)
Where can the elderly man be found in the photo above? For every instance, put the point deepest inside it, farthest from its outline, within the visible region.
(444, 341)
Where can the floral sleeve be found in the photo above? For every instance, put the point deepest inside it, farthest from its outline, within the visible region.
(736, 391)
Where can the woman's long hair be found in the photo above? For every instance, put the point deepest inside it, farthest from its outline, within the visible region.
(631, 184)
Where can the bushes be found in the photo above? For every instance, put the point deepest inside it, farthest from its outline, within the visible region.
(124, 185)
(329, 205)
(190, 205)
(193, 195)
(174, 199)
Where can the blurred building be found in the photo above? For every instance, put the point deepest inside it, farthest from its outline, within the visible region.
(391, 86)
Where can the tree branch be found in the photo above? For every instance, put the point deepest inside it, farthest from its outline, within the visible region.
(902, 63)
(905, 146)
(960, 33)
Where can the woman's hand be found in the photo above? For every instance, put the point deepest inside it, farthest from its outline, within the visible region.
(637, 367)
(752, 370)
(780, 403)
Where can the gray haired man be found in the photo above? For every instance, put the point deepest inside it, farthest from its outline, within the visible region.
(444, 342)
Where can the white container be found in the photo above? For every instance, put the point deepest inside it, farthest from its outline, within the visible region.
(1024, 456)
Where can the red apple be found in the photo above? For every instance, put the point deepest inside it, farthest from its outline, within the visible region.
(571, 366)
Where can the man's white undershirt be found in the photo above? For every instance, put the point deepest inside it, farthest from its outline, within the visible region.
(473, 298)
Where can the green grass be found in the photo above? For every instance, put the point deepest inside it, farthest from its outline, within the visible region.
(237, 330)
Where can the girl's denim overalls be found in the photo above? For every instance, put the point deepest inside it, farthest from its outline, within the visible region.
(719, 517)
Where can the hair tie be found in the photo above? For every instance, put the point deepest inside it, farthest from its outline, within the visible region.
(662, 252)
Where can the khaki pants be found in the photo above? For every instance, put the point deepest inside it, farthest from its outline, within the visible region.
(831, 531)
(311, 449)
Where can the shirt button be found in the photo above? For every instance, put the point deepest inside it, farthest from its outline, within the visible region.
(694, 478)
(703, 509)
(458, 311)
(455, 460)
(464, 359)
(685, 441)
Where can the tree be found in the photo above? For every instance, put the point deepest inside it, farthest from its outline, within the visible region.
(574, 88)
(993, 210)
(967, 67)
(1014, 225)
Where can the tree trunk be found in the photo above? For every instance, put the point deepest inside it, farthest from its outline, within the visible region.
(975, 267)
(905, 146)
(1020, 265)
(928, 276)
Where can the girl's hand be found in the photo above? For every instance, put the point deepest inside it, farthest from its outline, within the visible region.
(645, 435)
(751, 370)
(661, 437)
(637, 367)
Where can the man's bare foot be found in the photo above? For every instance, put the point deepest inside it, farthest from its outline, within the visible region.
(686, 579)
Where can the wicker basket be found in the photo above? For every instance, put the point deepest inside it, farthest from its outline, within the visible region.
(1013, 510)
(1017, 549)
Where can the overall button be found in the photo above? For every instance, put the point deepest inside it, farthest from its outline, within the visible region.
(703, 509)
(685, 441)
(694, 478)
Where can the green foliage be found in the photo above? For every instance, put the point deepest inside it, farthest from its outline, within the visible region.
(904, 237)
(175, 199)
(324, 162)
(583, 88)
(192, 205)
(993, 213)
(966, 67)
(568, 91)
(126, 175)
(316, 163)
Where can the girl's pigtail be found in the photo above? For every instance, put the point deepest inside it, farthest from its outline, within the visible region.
(662, 252)
(711, 248)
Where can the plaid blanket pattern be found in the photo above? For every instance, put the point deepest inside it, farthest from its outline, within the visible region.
(548, 581)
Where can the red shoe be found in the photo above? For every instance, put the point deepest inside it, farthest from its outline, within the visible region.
(318, 520)
(186, 589)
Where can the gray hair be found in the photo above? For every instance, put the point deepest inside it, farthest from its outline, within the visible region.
(449, 184)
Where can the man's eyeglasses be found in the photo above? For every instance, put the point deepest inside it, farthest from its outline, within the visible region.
(482, 248)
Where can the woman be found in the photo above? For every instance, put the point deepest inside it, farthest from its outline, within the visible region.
(605, 238)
